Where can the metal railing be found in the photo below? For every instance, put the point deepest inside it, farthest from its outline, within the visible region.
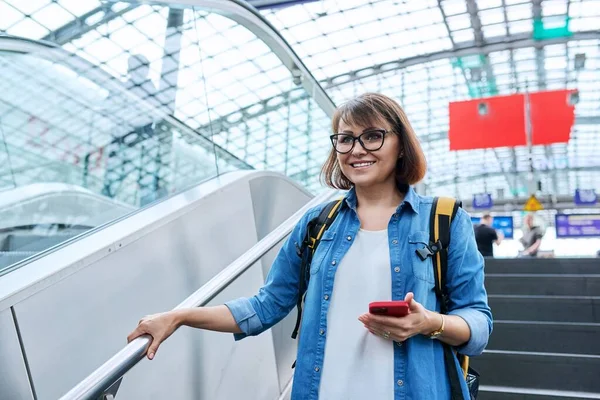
(103, 383)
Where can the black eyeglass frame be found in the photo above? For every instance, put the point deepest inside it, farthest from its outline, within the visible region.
(334, 137)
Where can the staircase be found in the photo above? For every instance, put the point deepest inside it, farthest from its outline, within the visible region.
(546, 339)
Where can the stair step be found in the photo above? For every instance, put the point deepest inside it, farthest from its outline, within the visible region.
(543, 284)
(551, 337)
(548, 371)
(584, 309)
(542, 266)
(509, 393)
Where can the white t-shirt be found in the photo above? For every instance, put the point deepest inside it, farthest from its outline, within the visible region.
(358, 364)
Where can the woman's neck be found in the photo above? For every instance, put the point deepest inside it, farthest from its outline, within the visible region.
(387, 196)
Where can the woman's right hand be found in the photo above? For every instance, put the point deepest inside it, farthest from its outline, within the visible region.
(159, 326)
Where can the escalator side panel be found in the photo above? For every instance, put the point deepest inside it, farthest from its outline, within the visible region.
(77, 323)
(14, 383)
(270, 212)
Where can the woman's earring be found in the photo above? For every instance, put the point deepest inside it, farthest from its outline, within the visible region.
(401, 154)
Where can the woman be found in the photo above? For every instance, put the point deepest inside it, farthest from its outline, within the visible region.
(369, 252)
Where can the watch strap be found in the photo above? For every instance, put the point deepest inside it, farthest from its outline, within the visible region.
(435, 334)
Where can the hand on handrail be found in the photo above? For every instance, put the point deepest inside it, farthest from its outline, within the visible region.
(191, 312)
(158, 326)
(161, 326)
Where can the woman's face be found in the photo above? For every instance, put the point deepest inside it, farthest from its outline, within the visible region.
(366, 168)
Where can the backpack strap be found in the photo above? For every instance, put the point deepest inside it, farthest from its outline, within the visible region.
(443, 212)
(314, 232)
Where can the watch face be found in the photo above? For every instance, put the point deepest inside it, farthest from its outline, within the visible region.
(435, 334)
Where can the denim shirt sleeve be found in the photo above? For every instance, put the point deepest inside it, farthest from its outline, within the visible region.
(465, 280)
(279, 294)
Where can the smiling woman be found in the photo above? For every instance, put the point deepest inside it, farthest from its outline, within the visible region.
(381, 127)
(367, 255)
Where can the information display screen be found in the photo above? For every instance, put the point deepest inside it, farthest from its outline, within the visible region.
(577, 225)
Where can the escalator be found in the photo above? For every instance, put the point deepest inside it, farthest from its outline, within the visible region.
(78, 150)
(69, 311)
(38, 216)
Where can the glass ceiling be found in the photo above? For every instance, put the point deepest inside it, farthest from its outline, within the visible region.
(424, 53)
(212, 74)
(341, 43)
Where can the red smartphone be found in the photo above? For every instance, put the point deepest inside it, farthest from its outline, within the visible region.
(389, 308)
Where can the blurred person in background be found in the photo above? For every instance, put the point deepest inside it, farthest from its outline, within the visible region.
(486, 236)
(532, 237)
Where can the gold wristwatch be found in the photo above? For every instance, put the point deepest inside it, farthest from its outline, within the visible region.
(436, 334)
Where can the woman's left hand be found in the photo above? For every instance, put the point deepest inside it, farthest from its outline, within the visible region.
(418, 321)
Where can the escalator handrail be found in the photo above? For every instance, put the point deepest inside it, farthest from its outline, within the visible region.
(92, 387)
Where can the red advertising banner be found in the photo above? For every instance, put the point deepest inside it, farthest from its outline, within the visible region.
(500, 121)
(486, 123)
(552, 116)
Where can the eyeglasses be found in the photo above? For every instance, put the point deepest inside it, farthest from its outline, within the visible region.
(372, 140)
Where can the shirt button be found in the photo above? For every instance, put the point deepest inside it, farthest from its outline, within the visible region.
(349, 238)
(321, 332)
(399, 344)
(333, 262)
(394, 241)
(400, 383)
(326, 297)
(397, 269)
(317, 369)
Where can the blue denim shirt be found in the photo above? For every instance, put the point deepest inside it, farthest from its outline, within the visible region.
(419, 371)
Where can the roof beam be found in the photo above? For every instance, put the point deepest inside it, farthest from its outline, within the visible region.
(236, 118)
(540, 56)
(512, 42)
(253, 111)
(591, 120)
(468, 179)
(268, 4)
(515, 81)
(473, 11)
(79, 26)
(536, 10)
(479, 42)
(445, 19)
(475, 21)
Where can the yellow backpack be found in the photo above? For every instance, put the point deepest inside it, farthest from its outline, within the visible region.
(443, 212)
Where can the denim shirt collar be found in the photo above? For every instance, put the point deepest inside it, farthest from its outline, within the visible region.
(411, 198)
